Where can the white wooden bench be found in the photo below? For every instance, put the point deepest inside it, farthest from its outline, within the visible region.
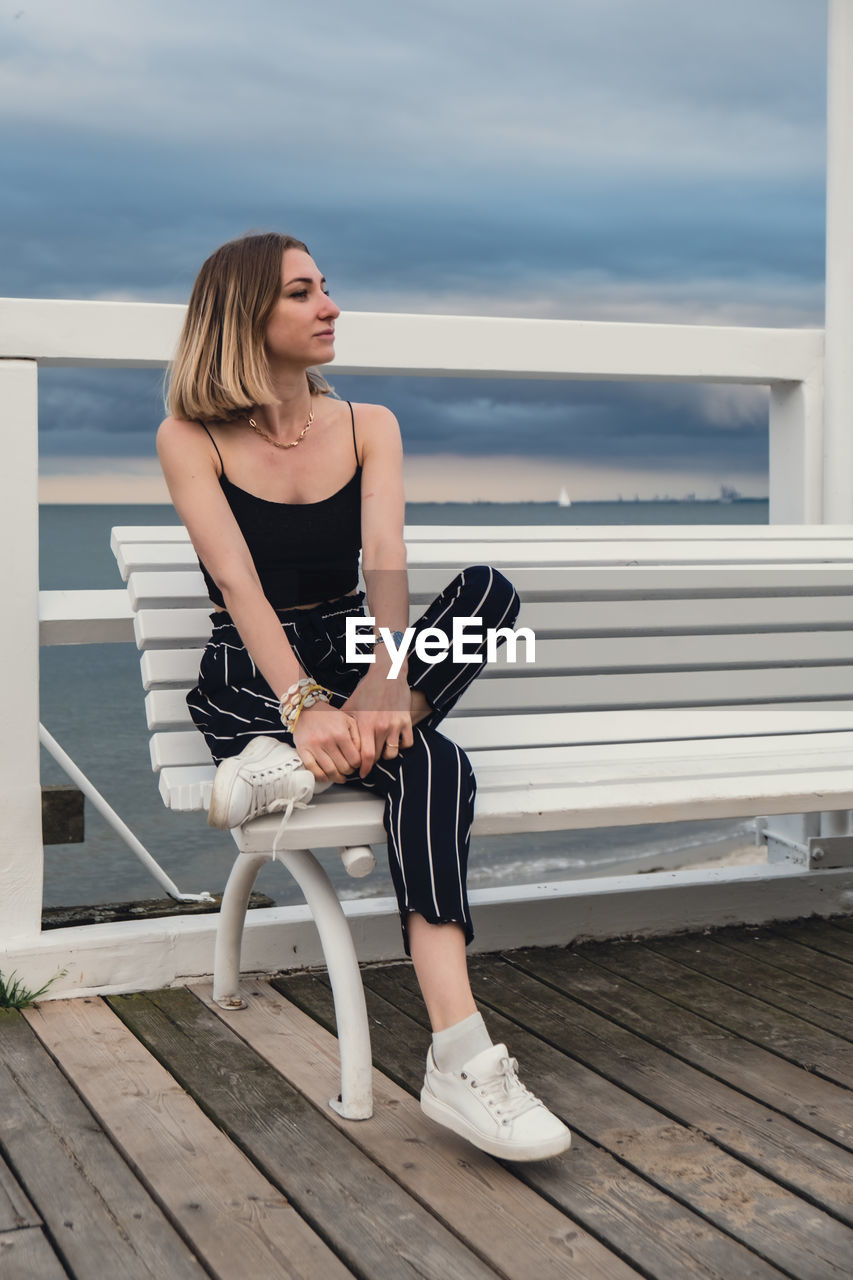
(681, 673)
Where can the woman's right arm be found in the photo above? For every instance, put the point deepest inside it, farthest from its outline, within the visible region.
(188, 461)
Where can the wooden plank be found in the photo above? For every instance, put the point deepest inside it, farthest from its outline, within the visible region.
(15, 1209)
(369, 1221)
(827, 972)
(783, 1033)
(745, 971)
(660, 1236)
(629, 984)
(235, 1219)
(101, 1219)
(731, 1194)
(27, 1255)
(828, 937)
(843, 922)
(783, 1150)
(511, 1228)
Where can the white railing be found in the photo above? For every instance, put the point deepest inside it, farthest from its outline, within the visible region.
(811, 480)
(107, 334)
(789, 361)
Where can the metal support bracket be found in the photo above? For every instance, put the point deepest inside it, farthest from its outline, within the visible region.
(830, 852)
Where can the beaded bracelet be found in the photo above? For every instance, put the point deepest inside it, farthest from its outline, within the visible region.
(318, 694)
(299, 696)
(289, 700)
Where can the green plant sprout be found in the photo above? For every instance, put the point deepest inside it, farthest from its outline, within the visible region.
(14, 995)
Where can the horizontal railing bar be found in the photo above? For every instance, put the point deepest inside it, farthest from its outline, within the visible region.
(143, 334)
(85, 617)
(416, 534)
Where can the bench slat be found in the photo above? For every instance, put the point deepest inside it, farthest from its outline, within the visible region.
(633, 533)
(176, 532)
(449, 557)
(664, 653)
(170, 667)
(182, 621)
(554, 808)
(166, 709)
(589, 582)
(186, 746)
(749, 763)
(517, 694)
(158, 591)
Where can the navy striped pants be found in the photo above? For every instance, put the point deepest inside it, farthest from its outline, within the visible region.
(429, 788)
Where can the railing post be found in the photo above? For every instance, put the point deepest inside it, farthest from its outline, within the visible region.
(21, 850)
(838, 438)
(796, 451)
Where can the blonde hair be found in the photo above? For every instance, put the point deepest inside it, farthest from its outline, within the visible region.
(220, 368)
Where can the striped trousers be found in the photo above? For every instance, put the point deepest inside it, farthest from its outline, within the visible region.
(429, 788)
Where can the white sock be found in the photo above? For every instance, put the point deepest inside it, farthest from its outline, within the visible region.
(458, 1044)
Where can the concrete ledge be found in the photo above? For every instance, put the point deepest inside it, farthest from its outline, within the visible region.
(146, 954)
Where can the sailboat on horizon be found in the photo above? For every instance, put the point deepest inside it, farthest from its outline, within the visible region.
(563, 499)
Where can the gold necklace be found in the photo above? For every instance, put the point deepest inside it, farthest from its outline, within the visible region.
(289, 444)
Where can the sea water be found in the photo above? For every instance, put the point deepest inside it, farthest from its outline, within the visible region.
(91, 701)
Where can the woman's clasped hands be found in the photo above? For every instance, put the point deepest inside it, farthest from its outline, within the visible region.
(374, 723)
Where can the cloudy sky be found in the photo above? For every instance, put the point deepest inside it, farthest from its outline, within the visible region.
(649, 160)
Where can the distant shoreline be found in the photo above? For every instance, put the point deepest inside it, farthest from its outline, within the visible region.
(116, 499)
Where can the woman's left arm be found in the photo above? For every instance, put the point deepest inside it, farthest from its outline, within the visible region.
(382, 703)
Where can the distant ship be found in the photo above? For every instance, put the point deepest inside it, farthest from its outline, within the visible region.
(564, 500)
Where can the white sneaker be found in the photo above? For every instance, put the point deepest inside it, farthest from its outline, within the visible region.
(266, 777)
(486, 1103)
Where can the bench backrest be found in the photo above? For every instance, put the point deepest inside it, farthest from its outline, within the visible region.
(754, 626)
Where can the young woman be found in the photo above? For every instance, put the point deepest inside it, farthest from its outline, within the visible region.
(281, 487)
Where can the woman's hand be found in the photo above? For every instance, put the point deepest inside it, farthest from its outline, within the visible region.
(383, 710)
(328, 742)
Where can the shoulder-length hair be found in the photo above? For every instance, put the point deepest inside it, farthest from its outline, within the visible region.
(220, 368)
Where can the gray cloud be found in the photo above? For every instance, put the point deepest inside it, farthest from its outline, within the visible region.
(595, 159)
(673, 427)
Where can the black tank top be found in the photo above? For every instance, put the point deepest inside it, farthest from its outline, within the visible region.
(303, 552)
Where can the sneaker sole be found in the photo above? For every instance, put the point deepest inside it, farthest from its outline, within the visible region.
(450, 1119)
(220, 795)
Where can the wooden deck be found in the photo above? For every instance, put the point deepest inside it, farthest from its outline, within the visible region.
(708, 1081)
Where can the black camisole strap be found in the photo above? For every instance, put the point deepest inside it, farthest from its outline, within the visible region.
(354, 445)
(216, 447)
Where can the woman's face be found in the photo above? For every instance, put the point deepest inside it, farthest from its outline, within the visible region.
(301, 328)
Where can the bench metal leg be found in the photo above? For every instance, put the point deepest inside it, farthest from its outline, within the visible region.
(356, 1097)
(229, 934)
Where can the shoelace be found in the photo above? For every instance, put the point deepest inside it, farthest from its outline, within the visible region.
(267, 797)
(504, 1092)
